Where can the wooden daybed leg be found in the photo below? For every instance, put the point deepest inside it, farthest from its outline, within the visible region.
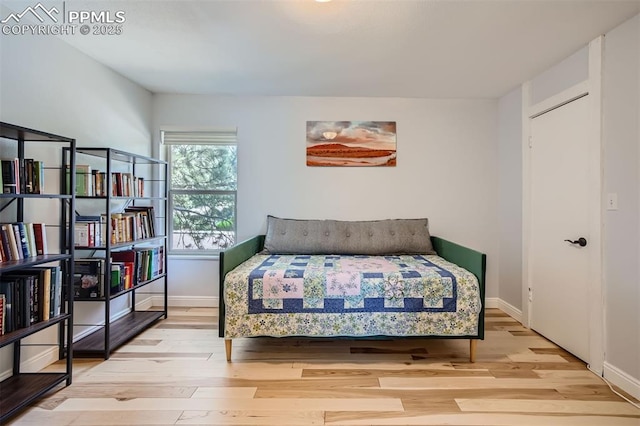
(227, 348)
(473, 344)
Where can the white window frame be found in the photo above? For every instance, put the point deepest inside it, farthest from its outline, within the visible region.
(219, 137)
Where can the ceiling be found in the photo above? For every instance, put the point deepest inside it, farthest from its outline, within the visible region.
(386, 48)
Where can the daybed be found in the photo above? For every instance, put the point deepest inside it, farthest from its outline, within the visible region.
(325, 278)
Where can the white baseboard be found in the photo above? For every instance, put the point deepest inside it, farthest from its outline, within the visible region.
(146, 304)
(41, 360)
(35, 363)
(624, 381)
(189, 301)
(512, 311)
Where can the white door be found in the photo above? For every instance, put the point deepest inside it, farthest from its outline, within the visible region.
(559, 212)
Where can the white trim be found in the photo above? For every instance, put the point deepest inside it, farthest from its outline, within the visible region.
(37, 362)
(189, 301)
(114, 317)
(596, 209)
(526, 203)
(592, 87)
(203, 136)
(40, 360)
(507, 308)
(145, 304)
(491, 302)
(624, 381)
(564, 97)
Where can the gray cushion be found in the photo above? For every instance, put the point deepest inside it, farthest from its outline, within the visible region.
(375, 237)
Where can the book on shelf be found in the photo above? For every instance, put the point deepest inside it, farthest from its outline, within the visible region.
(51, 291)
(88, 231)
(125, 184)
(45, 291)
(138, 186)
(9, 241)
(118, 277)
(84, 180)
(10, 176)
(144, 263)
(27, 182)
(22, 240)
(31, 295)
(40, 236)
(31, 239)
(93, 182)
(146, 217)
(2, 313)
(99, 182)
(88, 282)
(134, 223)
(6, 290)
(38, 177)
(24, 176)
(24, 302)
(126, 258)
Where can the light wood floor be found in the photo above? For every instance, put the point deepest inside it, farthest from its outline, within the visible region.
(176, 373)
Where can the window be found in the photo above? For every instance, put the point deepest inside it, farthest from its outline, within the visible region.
(202, 190)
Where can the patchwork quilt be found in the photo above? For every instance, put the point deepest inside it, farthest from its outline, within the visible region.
(339, 295)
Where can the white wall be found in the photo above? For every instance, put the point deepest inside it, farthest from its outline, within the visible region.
(621, 164)
(447, 169)
(565, 74)
(621, 139)
(47, 85)
(510, 197)
(559, 77)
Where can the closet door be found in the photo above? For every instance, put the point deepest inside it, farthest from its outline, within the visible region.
(559, 258)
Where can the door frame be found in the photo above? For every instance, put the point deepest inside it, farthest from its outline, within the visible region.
(593, 88)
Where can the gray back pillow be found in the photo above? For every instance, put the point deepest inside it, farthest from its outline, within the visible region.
(374, 237)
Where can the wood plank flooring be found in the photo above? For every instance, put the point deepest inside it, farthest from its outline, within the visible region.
(176, 374)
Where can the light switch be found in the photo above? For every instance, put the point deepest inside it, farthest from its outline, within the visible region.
(612, 201)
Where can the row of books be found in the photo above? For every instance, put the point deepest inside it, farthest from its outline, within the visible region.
(135, 223)
(22, 240)
(90, 183)
(30, 296)
(24, 176)
(128, 269)
(146, 263)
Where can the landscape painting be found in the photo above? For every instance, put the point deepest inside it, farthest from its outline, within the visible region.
(351, 143)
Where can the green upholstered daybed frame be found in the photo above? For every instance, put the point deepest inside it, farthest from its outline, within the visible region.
(469, 259)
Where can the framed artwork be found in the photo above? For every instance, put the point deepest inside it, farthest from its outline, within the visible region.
(351, 143)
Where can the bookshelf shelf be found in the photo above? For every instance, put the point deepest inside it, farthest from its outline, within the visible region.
(22, 388)
(122, 292)
(125, 244)
(119, 332)
(121, 206)
(52, 196)
(20, 333)
(12, 265)
(26, 388)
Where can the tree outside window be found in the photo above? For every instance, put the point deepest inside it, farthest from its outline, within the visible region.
(202, 196)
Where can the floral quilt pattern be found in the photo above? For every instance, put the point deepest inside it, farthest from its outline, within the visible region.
(294, 295)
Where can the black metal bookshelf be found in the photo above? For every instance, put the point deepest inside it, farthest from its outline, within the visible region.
(23, 388)
(102, 338)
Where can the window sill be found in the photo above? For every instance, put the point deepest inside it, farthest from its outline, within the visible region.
(189, 256)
